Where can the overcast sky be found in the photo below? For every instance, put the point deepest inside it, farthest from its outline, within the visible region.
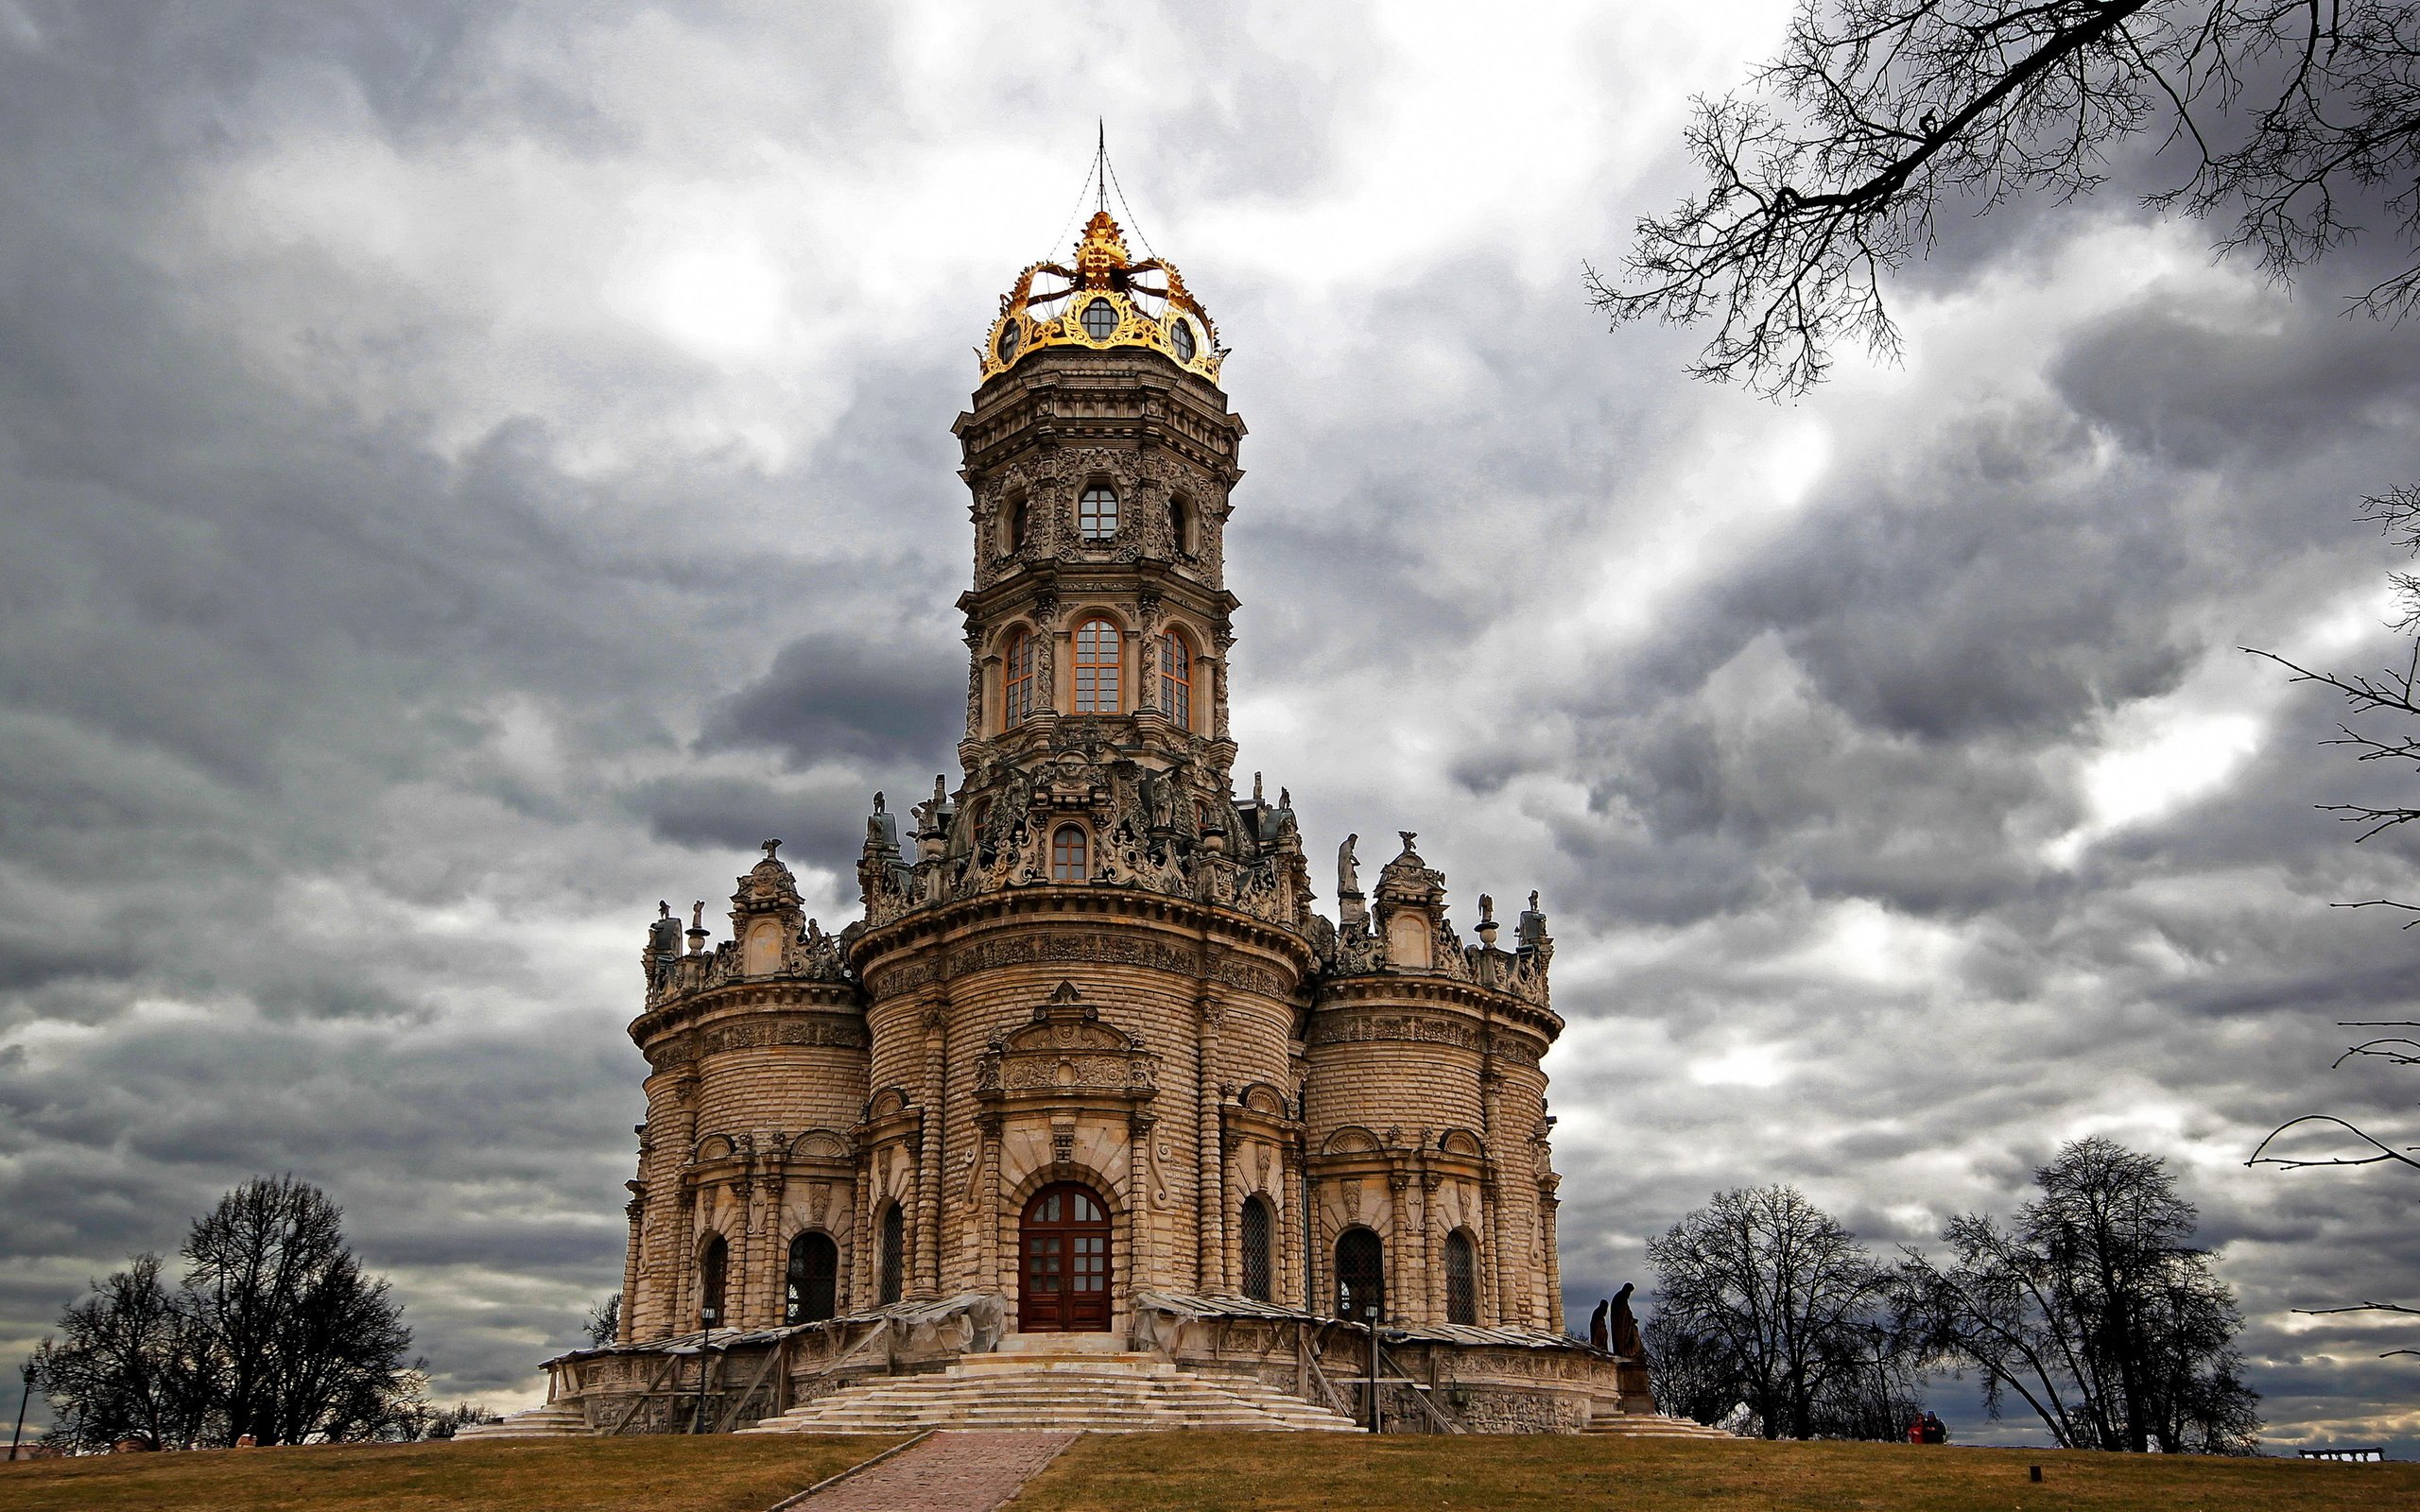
(464, 477)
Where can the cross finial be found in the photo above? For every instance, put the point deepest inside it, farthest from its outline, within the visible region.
(769, 846)
(1101, 163)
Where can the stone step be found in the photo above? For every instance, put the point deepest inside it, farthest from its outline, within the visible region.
(1039, 1387)
(533, 1422)
(1651, 1425)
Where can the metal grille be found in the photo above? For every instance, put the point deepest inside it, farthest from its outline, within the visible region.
(1462, 1280)
(1257, 1283)
(894, 1253)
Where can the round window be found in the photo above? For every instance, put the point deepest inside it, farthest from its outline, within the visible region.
(1183, 336)
(1100, 319)
(1007, 344)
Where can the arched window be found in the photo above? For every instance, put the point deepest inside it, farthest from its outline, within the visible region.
(1461, 1278)
(1019, 694)
(1176, 679)
(1101, 319)
(1181, 527)
(1068, 861)
(894, 1252)
(1096, 514)
(1097, 667)
(1360, 1274)
(713, 1262)
(1258, 1284)
(814, 1281)
(1013, 522)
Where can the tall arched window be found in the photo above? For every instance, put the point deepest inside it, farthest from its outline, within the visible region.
(1461, 1278)
(1068, 861)
(814, 1278)
(894, 1252)
(1097, 667)
(1019, 694)
(1096, 514)
(1181, 527)
(1258, 1283)
(1013, 522)
(1176, 679)
(1360, 1274)
(713, 1262)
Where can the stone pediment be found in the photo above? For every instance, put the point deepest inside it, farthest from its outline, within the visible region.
(1066, 1048)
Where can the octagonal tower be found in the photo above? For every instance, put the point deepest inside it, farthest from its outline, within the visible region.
(1090, 1054)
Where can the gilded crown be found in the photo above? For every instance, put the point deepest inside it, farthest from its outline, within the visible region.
(1104, 301)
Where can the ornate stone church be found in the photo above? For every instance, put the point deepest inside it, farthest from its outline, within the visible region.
(1092, 1077)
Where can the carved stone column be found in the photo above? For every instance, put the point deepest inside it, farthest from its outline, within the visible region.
(625, 1326)
(927, 1278)
(988, 1211)
(1225, 641)
(1399, 1233)
(1210, 1178)
(672, 1128)
(1139, 1183)
(1548, 1203)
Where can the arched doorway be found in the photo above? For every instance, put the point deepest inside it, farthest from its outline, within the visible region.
(1064, 1245)
(812, 1284)
(1360, 1274)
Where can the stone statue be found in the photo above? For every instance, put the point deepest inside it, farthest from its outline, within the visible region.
(1598, 1338)
(1624, 1327)
(1486, 911)
(663, 939)
(1348, 876)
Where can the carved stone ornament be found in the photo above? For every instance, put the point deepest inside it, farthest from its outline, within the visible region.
(1066, 1050)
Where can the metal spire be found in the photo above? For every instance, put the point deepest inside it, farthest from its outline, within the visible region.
(1100, 163)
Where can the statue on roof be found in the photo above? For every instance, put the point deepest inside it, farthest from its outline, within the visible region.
(1348, 874)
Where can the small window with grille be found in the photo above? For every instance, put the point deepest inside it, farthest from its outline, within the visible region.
(1461, 1278)
(894, 1253)
(1258, 1283)
(1097, 669)
(1096, 514)
(1176, 679)
(1067, 858)
(1020, 694)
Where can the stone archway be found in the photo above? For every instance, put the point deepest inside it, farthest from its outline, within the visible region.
(1062, 1262)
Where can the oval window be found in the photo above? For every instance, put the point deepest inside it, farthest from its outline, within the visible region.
(1183, 336)
(1101, 319)
(1007, 344)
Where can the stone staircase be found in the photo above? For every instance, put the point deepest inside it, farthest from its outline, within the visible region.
(1056, 1381)
(534, 1423)
(1651, 1425)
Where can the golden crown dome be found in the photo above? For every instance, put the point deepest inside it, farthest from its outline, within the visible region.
(1102, 303)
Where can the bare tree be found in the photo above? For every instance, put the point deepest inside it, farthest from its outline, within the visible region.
(274, 1332)
(1880, 113)
(1763, 1297)
(2093, 1311)
(2393, 695)
(604, 1321)
(126, 1365)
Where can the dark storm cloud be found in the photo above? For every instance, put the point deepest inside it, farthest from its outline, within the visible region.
(843, 694)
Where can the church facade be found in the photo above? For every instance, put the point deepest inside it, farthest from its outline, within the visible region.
(1091, 1050)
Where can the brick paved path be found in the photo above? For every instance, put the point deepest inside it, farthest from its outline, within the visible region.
(951, 1472)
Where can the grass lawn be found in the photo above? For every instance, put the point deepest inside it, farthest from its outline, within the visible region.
(641, 1473)
(1336, 1473)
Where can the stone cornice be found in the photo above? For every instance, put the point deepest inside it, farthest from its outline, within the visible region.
(750, 998)
(1213, 934)
(1406, 989)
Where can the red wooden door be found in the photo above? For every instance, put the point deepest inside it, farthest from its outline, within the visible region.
(1064, 1244)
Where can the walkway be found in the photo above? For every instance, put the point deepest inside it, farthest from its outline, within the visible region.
(953, 1470)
